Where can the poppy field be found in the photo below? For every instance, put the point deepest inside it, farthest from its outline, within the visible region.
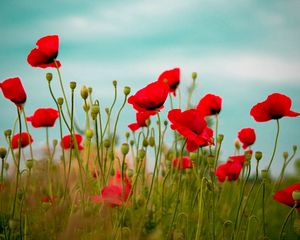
(86, 184)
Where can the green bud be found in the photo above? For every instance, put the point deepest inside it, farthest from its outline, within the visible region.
(296, 195)
(141, 153)
(86, 107)
(237, 145)
(295, 148)
(49, 77)
(3, 152)
(107, 110)
(248, 156)
(60, 101)
(145, 142)
(84, 92)
(194, 75)
(148, 122)
(90, 90)
(193, 156)
(124, 148)
(29, 163)
(130, 173)
(126, 90)
(106, 143)
(285, 155)
(151, 141)
(72, 85)
(89, 133)
(220, 138)
(127, 135)
(7, 133)
(95, 109)
(54, 142)
(166, 123)
(258, 155)
(131, 142)
(114, 82)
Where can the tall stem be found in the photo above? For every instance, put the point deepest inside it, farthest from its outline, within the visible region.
(275, 145)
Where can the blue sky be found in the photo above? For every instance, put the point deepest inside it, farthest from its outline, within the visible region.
(242, 50)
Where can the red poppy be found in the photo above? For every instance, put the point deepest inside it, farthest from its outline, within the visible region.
(43, 117)
(46, 52)
(114, 194)
(172, 77)
(285, 196)
(191, 125)
(26, 139)
(275, 106)
(13, 90)
(209, 105)
(247, 137)
(141, 118)
(182, 164)
(231, 168)
(150, 98)
(67, 142)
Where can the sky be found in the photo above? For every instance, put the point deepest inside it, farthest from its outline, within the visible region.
(242, 50)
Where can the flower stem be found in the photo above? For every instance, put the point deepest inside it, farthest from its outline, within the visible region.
(275, 145)
(286, 220)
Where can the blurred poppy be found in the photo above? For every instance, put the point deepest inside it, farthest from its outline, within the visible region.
(183, 163)
(230, 169)
(150, 98)
(141, 118)
(285, 196)
(192, 126)
(13, 90)
(247, 137)
(43, 117)
(209, 105)
(275, 107)
(172, 78)
(67, 142)
(46, 52)
(26, 139)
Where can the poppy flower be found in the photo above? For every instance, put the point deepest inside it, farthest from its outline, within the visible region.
(114, 194)
(13, 90)
(192, 126)
(67, 142)
(275, 106)
(247, 137)
(285, 196)
(150, 98)
(209, 105)
(141, 118)
(46, 52)
(231, 168)
(172, 77)
(43, 117)
(182, 164)
(26, 139)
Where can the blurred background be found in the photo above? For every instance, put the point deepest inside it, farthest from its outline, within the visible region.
(242, 50)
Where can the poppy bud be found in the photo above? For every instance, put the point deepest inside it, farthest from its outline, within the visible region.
(106, 143)
(220, 138)
(86, 107)
(296, 195)
(127, 135)
(107, 110)
(54, 142)
(29, 163)
(131, 142)
(7, 133)
(130, 173)
(264, 174)
(297, 226)
(89, 133)
(294, 148)
(90, 90)
(3, 152)
(141, 153)
(49, 76)
(114, 82)
(248, 156)
(166, 123)
(95, 109)
(285, 155)
(124, 148)
(193, 156)
(84, 92)
(151, 141)
(194, 75)
(237, 144)
(211, 160)
(258, 155)
(145, 142)
(126, 90)
(148, 122)
(60, 101)
(72, 85)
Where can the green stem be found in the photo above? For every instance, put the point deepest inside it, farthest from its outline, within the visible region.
(286, 220)
(275, 145)
(26, 127)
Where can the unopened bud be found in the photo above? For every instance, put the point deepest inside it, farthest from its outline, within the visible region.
(124, 148)
(60, 101)
(114, 82)
(148, 122)
(141, 153)
(29, 163)
(54, 142)
(295, 148)
(130, 173)
(166, 123)
(95, 109)
(220, 138)
(89, 133)
(49, 76)
(131, 142)
(296, 195)
(127, 135)
(72, 85)
(237, 144)
(258, 155)
(106, 143)
(285, 155)
(194, 75)
(248, 156)
(86, 107)
(90, 90)
(3, 152)
(145, 142)
(151, 141)
(7, 133)
(126, 90)
(193, 156)
(107, 110)
(84, 92)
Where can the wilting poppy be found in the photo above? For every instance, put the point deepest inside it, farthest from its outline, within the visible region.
(275, 107)
(141, 118)
(172, 77)
(114, 194)
(183, 163)
(26, 139)
(43, 117)
(191, 125)
(247, 137)
(285, 196)
(67, 142)
(46, 52)
(13, 90)
(230, 169)
(209, 105)
(150, 98)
